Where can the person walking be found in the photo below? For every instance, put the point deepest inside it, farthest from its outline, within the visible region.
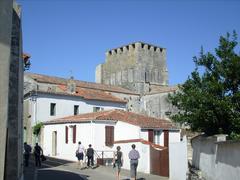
(80, 154)
(118, 161)
(90, 156)
(133, 156)
(27, 151)
(37, 153)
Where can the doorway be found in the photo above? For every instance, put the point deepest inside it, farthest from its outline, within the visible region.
(54, 143)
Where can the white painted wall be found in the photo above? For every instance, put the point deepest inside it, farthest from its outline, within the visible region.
(94, 133)
(144, 134)
(88, 133)
(216, 160)
(178, 166)
(174, 136)
(66, 151)
(65, 106)
(125, 131)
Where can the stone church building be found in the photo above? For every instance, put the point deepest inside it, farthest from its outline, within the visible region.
(141, 68)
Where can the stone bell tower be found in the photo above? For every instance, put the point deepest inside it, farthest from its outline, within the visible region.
(138, 66)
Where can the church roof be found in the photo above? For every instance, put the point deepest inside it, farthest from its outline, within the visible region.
(81, 84)
(117, 115)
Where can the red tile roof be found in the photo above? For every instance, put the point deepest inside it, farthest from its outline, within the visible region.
(83, 84)
(93, 94)
(117, 115)
(89, 95)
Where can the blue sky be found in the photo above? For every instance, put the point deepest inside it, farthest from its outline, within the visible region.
(65, 36)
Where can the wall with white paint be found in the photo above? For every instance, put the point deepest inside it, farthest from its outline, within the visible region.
(174, 136)
(217, 159)
(40, 106)
(178, 166)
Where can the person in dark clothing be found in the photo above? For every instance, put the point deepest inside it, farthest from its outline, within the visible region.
(27, 151)
(118, 161)
(37, 153)
(90, 155)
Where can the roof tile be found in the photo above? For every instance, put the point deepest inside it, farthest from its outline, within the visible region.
(118, 115)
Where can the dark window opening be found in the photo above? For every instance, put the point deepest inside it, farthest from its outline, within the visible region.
(96, 109)
(76, 109)
(52, 109)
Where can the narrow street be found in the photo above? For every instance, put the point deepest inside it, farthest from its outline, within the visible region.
(64, 170)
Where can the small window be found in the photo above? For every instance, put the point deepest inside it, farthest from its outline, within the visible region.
(76, 109)
(96, 109)
(157, 135)
(52, 109)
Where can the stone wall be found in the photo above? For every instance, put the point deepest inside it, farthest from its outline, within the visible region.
(5, 57)
(11, 92)
(156, 105)
(134, 67)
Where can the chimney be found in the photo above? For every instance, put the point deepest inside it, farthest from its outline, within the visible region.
(71, 85)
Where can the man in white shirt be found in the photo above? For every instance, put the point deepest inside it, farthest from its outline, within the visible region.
(80, 154)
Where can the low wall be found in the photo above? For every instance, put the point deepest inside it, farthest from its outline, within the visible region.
(216, 158)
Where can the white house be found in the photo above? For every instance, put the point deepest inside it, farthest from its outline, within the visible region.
(48, 98)
(107, 129)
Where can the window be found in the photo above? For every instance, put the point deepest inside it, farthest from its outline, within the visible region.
(76, 109)
(96, 109)
(157, 135)
(73, 132)
(52, 109)
(109, 135)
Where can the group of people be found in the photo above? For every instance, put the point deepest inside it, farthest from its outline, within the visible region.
(80, 152)
(89, 154)
(117, 159)
(133, 155)
(38, 153)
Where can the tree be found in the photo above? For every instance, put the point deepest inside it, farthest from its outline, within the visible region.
(209, 100)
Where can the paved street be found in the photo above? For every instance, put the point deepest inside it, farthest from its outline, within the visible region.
(63, 170)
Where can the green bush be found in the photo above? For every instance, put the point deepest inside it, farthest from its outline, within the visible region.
(37, 128)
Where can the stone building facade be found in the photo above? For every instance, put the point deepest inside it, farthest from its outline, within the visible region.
(141, 68)
(137, 66)
(11, 94)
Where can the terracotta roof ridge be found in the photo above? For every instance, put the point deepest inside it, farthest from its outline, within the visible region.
(112, 98)
(103, 86)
